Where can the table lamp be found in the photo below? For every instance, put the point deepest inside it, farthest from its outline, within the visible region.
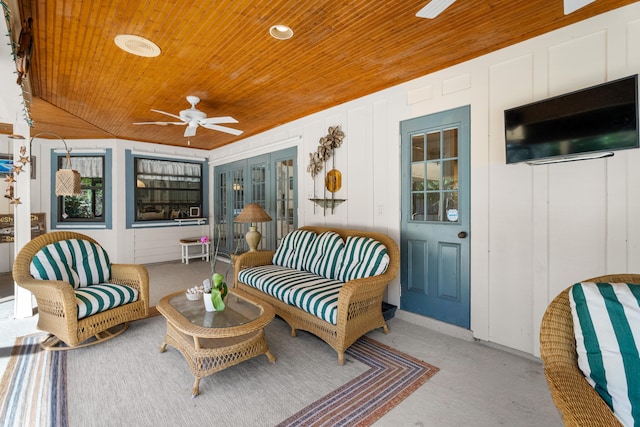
(253, 213)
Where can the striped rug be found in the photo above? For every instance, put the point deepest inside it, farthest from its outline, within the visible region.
(34, 386)
(33, 389)
(392, 376)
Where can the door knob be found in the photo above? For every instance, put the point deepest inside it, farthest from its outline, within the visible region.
(462, 234)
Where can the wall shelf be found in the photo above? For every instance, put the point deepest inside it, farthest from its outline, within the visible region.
(328, 203)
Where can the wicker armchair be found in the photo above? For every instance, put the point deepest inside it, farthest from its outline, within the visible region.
(57, 310)
(578, 402)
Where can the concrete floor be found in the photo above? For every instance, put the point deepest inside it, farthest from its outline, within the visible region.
(477, 385)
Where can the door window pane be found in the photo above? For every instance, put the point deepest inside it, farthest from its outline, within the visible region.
(417, 148)
(450, 175)
(417, 207)
(433, 146)
(417, 177)
(433, 175)
(450, 143)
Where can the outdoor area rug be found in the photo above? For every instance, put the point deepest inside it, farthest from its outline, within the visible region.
(392, 376)
(33, 387)
(43, 388)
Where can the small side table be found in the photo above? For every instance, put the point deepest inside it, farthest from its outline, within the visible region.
(185, 244)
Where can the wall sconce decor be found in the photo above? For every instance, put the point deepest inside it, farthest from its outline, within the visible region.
(253, 213)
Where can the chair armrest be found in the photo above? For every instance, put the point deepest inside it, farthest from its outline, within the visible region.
(133, 275)
(52, 296)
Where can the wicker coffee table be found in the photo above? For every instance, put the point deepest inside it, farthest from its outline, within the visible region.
(213, 341)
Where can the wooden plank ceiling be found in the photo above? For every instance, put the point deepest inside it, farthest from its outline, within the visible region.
(84, 86)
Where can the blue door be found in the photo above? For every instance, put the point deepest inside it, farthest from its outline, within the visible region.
(434, 233)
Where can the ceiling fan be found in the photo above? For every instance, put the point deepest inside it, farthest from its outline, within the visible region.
(435, 7)
(192, 117)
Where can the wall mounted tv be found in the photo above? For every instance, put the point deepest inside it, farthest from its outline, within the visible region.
(588, 123)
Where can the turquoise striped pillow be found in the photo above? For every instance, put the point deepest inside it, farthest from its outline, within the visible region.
(91, 262)
(98, 298)
(324, 256)
(293, 248)
(55, 262)
(363, 257)
(606, 319)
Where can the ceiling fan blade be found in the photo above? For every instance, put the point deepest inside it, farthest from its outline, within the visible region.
(190, 131)
(160, 123)
(434, 8)
(167, 114)
(225, 129)
(218, 120)
(573, 5)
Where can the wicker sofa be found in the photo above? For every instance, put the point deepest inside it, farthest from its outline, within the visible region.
(353, 305)
(82, 298)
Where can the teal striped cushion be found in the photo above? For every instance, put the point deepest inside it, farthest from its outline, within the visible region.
(325, 255)
(91, 262)
(55, 262)
(98, 298)
(318, 297)
(315, 294)
(79, 262)
(363, 257)
(606, 319)
(293, 248)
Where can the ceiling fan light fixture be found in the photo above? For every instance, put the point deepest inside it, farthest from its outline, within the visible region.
(434, 8)
(281, 32)
(137, 45)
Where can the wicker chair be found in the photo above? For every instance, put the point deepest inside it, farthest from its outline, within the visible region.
(57, 310)
(578, 402)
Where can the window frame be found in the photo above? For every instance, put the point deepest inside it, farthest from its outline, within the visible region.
(55, 202)
(131, 158)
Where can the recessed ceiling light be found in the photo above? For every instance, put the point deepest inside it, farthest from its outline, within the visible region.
(136, 45)
(281, 32)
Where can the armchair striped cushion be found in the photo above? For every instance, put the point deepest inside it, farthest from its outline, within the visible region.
(55, 262)
(98, 298)
(606, 321)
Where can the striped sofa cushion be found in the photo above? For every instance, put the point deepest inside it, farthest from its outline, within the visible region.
(363, 257)
(91, 262)
(312, 293)
(292, 249)
(606, 319)
(98, 298)
(55, 262)
(324, 256)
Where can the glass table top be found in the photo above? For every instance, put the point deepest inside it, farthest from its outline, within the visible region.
(238, 311)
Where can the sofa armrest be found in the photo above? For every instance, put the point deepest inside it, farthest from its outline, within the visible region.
(361, 297)
(250, 259)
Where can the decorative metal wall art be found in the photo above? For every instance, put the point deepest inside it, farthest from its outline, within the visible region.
(332, 178)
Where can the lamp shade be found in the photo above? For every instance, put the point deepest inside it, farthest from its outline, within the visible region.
(253, 213)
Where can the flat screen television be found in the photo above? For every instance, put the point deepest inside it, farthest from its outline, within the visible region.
(587, 123)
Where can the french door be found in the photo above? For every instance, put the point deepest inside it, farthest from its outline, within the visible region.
(268, 180)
